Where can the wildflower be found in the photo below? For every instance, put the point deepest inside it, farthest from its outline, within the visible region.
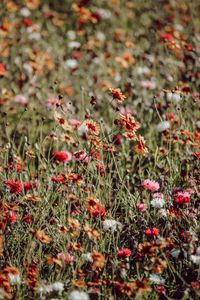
(27, 186)
(173, 97)
(141, 206)
(156, 279)
(124, 252)
(140, 147)
(111, 225)
(196, 258)
(71, 63)
(77, 295)
(117, 95)
(151, 185)
(15, 187)
(87, 257)
(182, 198)
(61, 156)
(10, 216)
(80, 156)
(42, 237)
(152, 232)
(93, 127)
(162, 126)
(20, 99)
(157, 201)
(98, 260)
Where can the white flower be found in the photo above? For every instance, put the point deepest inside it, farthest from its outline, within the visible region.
(157, 279)
(162, 126)
(198, 124)
(173, 97)
(175, 252)
(104, 13)
(100, 36)
(14, 279)
(158, 203)
(71, 63)
(198, 251)
(82, 129)
(111, 225)
(76, 295)
(196, 258)
(163, 213)
(34, 36)
(87, 257)
(143, 70)
(58, 287)
(25, 12)
(71, 35)
(74, 44)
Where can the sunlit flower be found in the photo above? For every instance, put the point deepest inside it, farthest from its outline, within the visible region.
(111, 225)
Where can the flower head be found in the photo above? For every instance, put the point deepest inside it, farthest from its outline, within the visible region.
(150, 185)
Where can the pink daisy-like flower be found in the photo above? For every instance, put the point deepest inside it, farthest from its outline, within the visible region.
(150, 185)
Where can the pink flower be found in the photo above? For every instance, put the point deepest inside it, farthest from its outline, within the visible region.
(74, 122)
(141, 206)
(52, 102)
(124, 252)
(20, 99)
(151, 185)
(65, 258)
(80, 156)
(158, 196)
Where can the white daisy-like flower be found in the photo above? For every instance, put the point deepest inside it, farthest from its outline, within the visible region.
(173, 97)
(71, 63)
(162, 126)
(111, 225)
(25, 12)
(158, 203)
(71, 35)
(157, 279)
(77, 295)
(74, 44)
(87, 257)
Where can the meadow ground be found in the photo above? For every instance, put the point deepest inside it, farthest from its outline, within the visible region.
(99, 149)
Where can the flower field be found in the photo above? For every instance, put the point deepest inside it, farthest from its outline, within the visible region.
(99, 149)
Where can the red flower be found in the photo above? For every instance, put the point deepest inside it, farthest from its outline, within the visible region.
(124, 252)
(58, 178)
(10, 217)
(14, 186)
(27, 22)
(151, 232)
(61, 156)
(197, 154)
(27, 186)
(28, 219)
(182, 198)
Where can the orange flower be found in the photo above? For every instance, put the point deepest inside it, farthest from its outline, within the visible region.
(92, 126)
(117, 94)
(42, 237)
(74, 177)
(98, 260)
(128, 122)
(92, 233)
(140, 147)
